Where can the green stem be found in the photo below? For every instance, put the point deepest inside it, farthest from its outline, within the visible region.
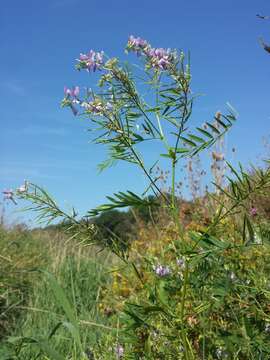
(173, 185)
(174, 206)
(175, 213)
(140, 163)
(182, 308)
(187, 348)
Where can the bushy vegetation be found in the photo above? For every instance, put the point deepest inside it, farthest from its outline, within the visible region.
(168, 279)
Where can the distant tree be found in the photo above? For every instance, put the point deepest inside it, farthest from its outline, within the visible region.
(115, 227)
(147, 213)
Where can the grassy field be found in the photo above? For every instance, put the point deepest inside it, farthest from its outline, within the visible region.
(64, 299)
(30, 307)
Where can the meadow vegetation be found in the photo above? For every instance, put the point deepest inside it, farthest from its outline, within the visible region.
(172, 277)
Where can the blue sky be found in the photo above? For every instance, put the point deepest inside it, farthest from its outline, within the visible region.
(41, 142)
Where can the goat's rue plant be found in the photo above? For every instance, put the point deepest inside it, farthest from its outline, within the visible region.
(162, 325)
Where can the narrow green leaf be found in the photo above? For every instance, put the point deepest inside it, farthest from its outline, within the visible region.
(221, 123)
(196, 138)
(166, 156)
(213, 128)
(206, 133)
(182, 150)
(189, 142)
(61, 298)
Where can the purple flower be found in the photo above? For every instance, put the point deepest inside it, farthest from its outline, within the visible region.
(159, 58)
(119, 351)
(71, 98)
(91, 61)
(161, 270)
(9, 195)
(137, 44)
(253, 211)
(73, 92)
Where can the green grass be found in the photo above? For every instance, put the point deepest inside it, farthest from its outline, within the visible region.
(50, 291)
(20, 253)
(52, 286)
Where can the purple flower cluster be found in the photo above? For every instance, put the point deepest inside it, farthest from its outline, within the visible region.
(71, 97)
(96, 106)
(137, 44)
(119, 351)
(73, 92)
(253, 211)
(161, 270)
(158, 58)
(91, 61)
